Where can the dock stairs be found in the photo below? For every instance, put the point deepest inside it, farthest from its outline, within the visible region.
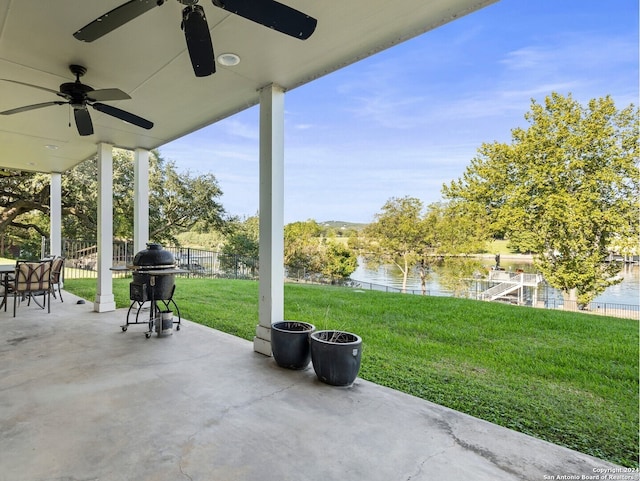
(507, 283)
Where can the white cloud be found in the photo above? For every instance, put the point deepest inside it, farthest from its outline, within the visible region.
(241, 129)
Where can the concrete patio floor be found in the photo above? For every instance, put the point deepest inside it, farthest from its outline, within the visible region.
(82, 400)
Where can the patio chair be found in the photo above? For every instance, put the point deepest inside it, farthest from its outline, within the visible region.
(57, 276)
(32, 279)
(7, 276)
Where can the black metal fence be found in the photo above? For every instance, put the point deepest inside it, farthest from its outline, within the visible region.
(627, 311)
(204, 263)
(82, 260)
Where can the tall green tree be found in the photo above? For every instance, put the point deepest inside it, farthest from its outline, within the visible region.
(242, 244)
(455, 274)
(178, 201)
(307, 250)
(455, 228)
(301, 245)
(80, 198)
(21, 193)
(243, 237)
(339, 261)
(567, 187)
(398, 235)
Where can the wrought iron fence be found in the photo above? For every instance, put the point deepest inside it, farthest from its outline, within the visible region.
(627, 311)
(82, 260)
(205, 263)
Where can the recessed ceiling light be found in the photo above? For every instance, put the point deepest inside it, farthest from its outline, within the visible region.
(52, 147)
(228, 59)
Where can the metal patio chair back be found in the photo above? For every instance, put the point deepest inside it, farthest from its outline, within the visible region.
(32, 279)
(57, 276)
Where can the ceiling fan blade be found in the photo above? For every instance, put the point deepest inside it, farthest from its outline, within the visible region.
(123, 115)
(115, 18)
(31, 85)
(272, 14)
(26, 108)
(107, 94)
(83, 121)
(198, 37)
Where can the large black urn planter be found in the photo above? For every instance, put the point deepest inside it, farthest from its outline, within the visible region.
(336, 356)
(290, 343)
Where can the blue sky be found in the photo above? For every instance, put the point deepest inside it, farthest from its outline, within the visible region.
(411, 118)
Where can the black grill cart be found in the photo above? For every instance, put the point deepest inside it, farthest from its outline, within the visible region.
(153, 284)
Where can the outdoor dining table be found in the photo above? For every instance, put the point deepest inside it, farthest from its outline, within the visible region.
(5, 271)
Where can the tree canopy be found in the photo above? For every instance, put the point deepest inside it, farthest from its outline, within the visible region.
(398, 235)
(178, 201)
(566, 188)
(455, 229)
(307, 251)
(242, 244)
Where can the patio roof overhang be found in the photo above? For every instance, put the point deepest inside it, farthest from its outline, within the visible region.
(147, 58)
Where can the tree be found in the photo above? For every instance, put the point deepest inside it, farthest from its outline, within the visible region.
(567, 188)
(306, 250)
(242, 244)
(80, 198)
(456, 274)
(178, 201)
(398, 235)
(22, 193)
(301, 246)
(339, 261)
(455, 228)
(243, 238)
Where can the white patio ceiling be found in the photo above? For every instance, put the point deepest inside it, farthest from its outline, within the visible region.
(147, 58)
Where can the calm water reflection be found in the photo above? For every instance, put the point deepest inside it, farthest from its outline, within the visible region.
(627, 292)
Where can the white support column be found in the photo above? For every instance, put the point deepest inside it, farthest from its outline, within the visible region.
(55, 215)
(140, 200)
(271, 290)
(104, 294)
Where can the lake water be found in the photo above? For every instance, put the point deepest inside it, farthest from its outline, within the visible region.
(627, 292)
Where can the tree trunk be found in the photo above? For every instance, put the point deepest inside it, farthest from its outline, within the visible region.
(570, 298)
(405, 274)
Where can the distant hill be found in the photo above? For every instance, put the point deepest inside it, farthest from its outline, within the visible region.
(342, 225)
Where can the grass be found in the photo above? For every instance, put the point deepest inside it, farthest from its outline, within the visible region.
(568, 378)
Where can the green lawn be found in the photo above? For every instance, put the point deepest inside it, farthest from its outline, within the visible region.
(568, 378)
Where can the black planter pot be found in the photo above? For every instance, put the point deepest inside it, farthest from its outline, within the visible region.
(290, 343)
(336, 356)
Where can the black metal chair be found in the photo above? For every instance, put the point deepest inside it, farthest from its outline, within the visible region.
(6, 288)
(32, 279)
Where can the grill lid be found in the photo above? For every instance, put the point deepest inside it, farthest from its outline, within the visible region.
(154, 257)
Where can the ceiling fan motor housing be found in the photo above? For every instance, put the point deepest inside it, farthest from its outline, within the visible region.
(75, 90)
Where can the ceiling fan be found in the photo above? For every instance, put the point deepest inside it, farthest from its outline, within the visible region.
(269, 13)
(79, 96)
